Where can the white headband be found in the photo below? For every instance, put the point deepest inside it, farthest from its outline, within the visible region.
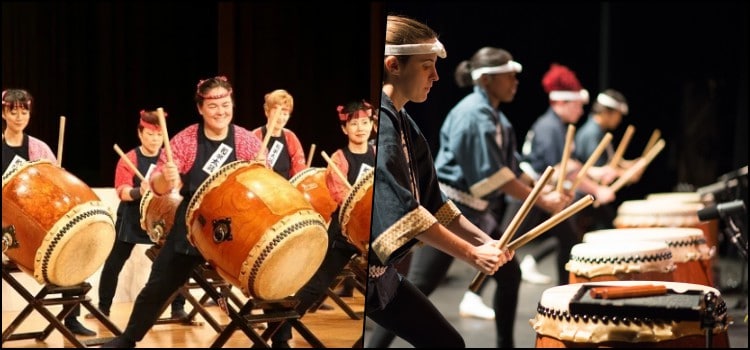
(608, 101)
(510, 66)
(416, 49)
(560, 95)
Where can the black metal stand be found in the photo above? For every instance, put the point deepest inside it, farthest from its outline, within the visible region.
(282, 310)
(708, 321)
(209, 277)
(354, 272)
(73, 296)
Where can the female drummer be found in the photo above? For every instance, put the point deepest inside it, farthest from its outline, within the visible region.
(284, 151)
(357, 120)
(198, 151)
(408, 206)
(130, 189)
(19, 147)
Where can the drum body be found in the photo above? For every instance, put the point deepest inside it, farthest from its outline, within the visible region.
(356, 212)
(157, 214)
(312, 183)
(64, 232)
(568, 316)
(691, 255)
(623, 261)
(666, 210)
(257, 230)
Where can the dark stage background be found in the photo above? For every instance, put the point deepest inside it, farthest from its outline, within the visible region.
(681, 65)
(99, 64)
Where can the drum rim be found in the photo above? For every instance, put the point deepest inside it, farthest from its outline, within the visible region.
(17, 169)
(355, 193)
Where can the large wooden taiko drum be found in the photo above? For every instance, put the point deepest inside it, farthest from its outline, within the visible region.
(681, 315)
(666, 210)
(312, 183)
(157, 214)
(355, 215)
(620, 261)
(691, 255)
(61, 231)
(257, 230)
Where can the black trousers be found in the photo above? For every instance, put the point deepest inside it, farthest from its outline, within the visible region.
(111, 272)
(413, 317)
(169, 272)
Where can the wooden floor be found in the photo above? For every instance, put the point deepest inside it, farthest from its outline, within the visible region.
(334, 328)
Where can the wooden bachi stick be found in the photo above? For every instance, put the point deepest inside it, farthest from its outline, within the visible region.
(617, 157)
(565, 156)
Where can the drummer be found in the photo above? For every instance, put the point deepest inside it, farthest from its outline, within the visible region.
(284, 150)
(197, 152)
(130, 189)
(357, 120)
(19, 147)
(606, 115)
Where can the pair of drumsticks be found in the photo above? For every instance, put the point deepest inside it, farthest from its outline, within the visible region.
(649, 154)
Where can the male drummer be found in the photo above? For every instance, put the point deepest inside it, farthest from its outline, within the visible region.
(197, 152)
(18, 148)
(357, 120)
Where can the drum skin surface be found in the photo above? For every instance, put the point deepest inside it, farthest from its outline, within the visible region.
(64, 232)
(628, 322)
(278, 240)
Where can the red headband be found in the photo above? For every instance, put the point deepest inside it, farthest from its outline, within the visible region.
(213, 97)
(147, 125)
(360, 113)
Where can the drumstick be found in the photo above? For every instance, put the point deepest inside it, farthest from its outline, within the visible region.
(592, 159)
(565, 157)
(655, 136)
(641, 164)
(129, 163)
(60, 141)
(271, 123)
(517, 219)
(165, 134)
(549, 223)
(310, 155)
(336, 169)
(615, 161)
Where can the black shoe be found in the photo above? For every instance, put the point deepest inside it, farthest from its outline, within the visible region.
(119, 342)
(179, 314)
(77, 328)
(280, 345)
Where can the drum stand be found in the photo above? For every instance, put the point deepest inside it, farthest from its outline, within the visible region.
(281, 310)
(209, 277)
(351, 271)
(72, 297)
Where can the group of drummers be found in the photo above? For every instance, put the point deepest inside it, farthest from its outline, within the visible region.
(245, 201)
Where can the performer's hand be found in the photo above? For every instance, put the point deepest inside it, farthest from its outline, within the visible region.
(488, 258)
(553, 202)
(172, 175)
(604, 195)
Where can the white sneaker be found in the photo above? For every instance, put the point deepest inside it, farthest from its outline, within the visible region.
(472, 306)
(530, 274)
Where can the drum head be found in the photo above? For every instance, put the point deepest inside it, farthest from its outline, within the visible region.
(292, 262)
(76, 247)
